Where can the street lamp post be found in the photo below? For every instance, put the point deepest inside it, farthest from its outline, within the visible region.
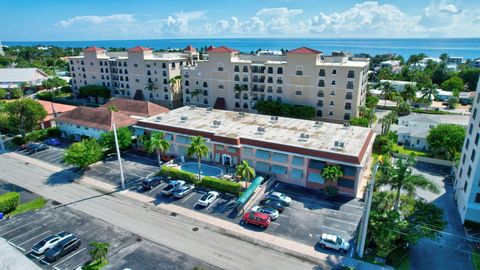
(118, 155)
(366, 214)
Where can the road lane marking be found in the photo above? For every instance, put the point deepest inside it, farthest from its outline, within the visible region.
(62, 261)
(15, 229)
(27, 232)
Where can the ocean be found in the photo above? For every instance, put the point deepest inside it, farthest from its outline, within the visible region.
(466, 47)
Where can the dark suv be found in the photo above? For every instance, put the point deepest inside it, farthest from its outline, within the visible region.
(151, 182)
(63, 247)
(275, 204)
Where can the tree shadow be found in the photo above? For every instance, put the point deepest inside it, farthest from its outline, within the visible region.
(65, 176)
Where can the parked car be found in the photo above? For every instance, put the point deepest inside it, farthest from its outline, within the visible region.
(62, 248)
(171, 186)
(151, 182)
(166, 158)
(182, 191)
(256, 218)
(272, 212)
(208, 198)
(279, 196)
(275, 204)
(52, 141)
(37, 147)
(48, 242)
(25, 146)
(334, 242)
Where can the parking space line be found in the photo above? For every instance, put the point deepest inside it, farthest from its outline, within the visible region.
(155, 188)
(214, 202)
(188, 197)
(15, 229)
(294, 194)
(339, 220)
(78, 251)
(27, 232)
(334, 229)
(11, 223)
(80, 264)
(38, 236)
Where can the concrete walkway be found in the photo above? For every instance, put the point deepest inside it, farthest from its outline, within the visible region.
(286, 246)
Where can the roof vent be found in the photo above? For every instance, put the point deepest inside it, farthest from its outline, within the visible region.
(260, 130)
(346, 125)
(158, 119)
(274, 118)
(216, 123)
(241, 113)
(339, 144)
(183, 119)
(209, 109)
(318, 124)
(304, 137)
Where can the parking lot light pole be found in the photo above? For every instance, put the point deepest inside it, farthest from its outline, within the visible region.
(118, 155)
(366, 214)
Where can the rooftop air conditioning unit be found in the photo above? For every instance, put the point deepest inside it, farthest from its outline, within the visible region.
(209, 109)
(241, 114)
(216, 123)
(261, 130)
(336, 143)
(346, 125)
(318, 124)
(341, 145)
(158, 119)
(184, 118)
(192, 107)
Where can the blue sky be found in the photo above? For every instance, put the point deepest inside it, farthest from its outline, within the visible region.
(23, 20)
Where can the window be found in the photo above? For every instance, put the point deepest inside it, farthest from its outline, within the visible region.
(320, 103)
(346, 116)
(220, 67)
(476, 138)
(245, 68)
(477, 198)
(463, 158)
(467, 144)
(237, 105)
(349, 95)
(334, 82)
(334, 71)
(469, 171)
(351, 74)
(321, 83)
(280, 70)
(332, 93)
(319, 113)
(330, 113)
(474, 113)
(320, 93)
(279, 90)
(236, 78)
(279, 99)
(349, 85)
(465, 186)
(299, 71)
(236, 69)
(470, 129)
(270, 70)
(348, 106)
(321, 73)
(205, 101)
(461, 172)
(205, 84)
(164, 65)
(298, 93)
(332, 103)
(187, 83)
(472, 157)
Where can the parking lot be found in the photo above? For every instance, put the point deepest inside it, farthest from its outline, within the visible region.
(126, 249)
(53, 155)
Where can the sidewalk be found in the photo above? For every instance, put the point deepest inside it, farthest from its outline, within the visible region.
(266, 240)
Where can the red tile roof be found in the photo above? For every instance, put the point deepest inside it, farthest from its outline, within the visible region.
(211, 47)
(305, 50)
(99, 118)
(136, 107)
(94, 49)
(222, 49)
(59, 108)
(139, 49)
(190, 48)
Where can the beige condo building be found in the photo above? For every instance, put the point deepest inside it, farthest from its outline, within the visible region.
(335, 85)
(137, 74)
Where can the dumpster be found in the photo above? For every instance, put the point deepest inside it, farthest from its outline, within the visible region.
(1, 215)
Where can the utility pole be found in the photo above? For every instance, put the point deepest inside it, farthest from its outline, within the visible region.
(366, 214)
(118, 155)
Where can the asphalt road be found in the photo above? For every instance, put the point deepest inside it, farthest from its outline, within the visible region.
(174, 232)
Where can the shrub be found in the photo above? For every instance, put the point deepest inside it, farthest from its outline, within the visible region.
(53, 132)
(18, 140)
(359, 121)
(207, 181)
(45, 96)
(396, 257)
(9, 201)
(286, 110)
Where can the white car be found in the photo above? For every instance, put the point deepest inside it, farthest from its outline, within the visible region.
(279, 196)
(49, 242)
(208, 198)
(334, 242)
(272, 212)
(168, 190)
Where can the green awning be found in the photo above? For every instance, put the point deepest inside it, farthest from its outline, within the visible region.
(296, 174)
(315, 178)
(249, 191)
(277, 169)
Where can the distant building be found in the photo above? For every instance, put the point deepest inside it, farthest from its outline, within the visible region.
(91, 122)
(2, 53)
(413, 129)
(53, 110)
(15, 77)
(399, 85)
(476, 63)
(293, 150)
(393, 65)
(422, 64)
(467, 176)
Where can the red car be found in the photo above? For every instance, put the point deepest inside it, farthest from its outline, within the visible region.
(257, 218)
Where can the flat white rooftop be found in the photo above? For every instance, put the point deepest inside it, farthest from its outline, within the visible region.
(322, 136)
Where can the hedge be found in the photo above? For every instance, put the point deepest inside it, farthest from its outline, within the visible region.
(286, 110)
(9, 201)
(207, 181)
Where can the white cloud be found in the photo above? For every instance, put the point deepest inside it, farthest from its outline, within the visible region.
(178, 23)
(95, 20)
(278, 20)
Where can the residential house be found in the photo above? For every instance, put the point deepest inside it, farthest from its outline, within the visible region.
(15, 77)
(53, 110)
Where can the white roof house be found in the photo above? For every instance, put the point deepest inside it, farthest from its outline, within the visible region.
(13, 77)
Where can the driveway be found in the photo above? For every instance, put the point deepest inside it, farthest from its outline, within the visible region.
(451, 251)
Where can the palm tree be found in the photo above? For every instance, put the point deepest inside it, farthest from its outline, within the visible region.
(196, 93)
(429, 92)
(198, 148)
(410, 92)
(156, 143)
(367, 113)
(331, 174)
(238, 89)
(151, 86)
(387, 91)
(99, 252)
(246, 172)
(387, 121)
(174, 83)
(399, 177)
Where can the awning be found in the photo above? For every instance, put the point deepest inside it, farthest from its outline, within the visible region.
(277, 169)
(249, 191)
(279, 157)
(262, 167)
(297, 161)
(262, 154)
(315, 178)
(296, 174)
